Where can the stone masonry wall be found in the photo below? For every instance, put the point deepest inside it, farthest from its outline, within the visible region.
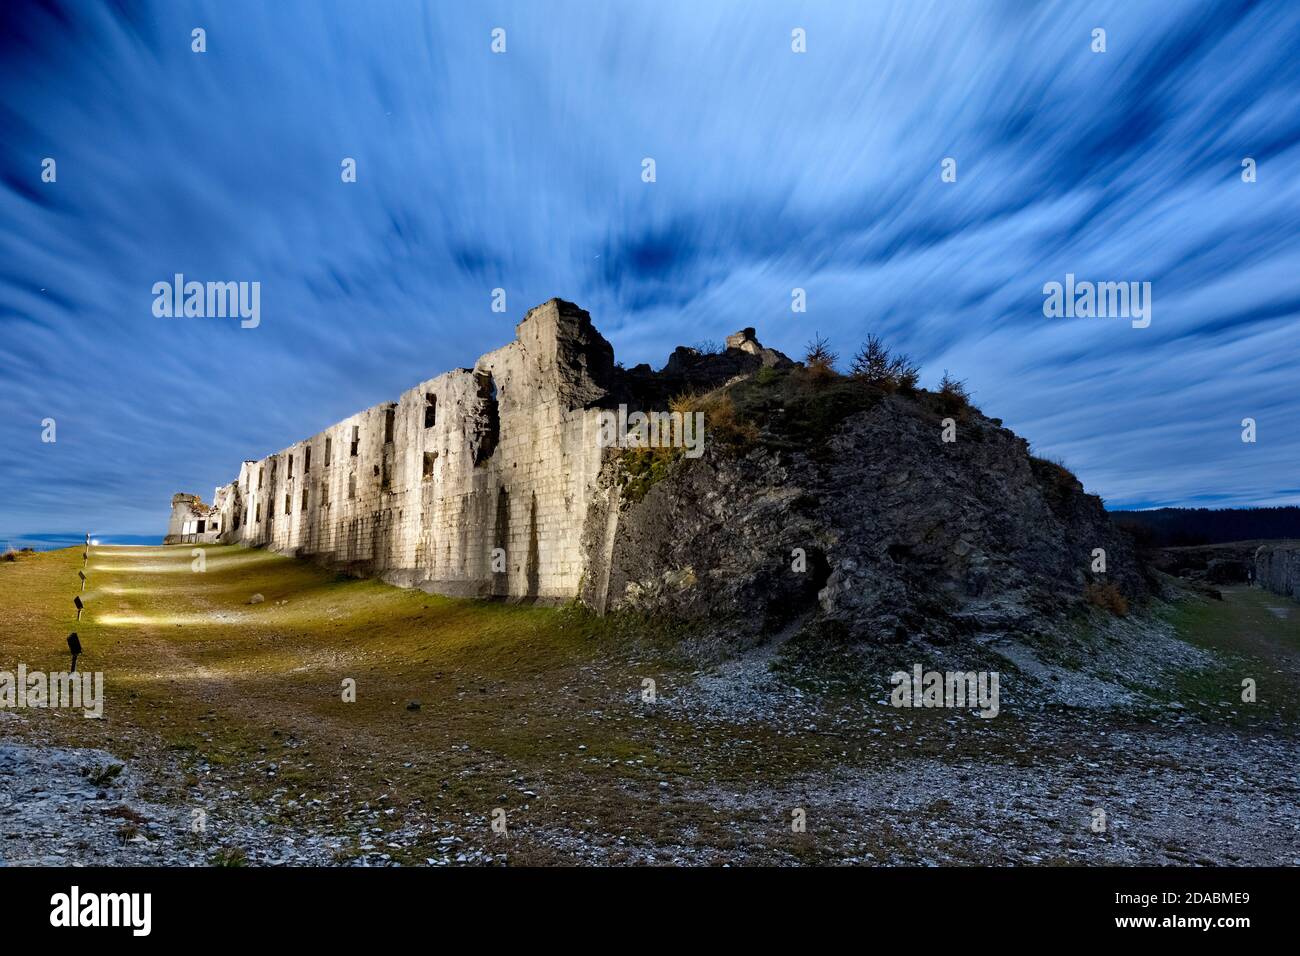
(421, 491)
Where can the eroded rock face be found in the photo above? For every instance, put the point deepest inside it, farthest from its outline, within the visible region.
(1277, 568)
(898, 534)
(714, 542)
(1228, 563)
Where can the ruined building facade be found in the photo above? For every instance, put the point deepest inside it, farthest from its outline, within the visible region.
(832, 503)
(192, 521)
(474, 483)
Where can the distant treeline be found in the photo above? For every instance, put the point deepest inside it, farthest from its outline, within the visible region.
(1175, 527)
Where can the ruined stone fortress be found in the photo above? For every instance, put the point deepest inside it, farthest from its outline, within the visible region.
(475, 483)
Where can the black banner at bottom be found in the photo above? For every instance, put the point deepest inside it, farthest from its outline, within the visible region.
(334, 905)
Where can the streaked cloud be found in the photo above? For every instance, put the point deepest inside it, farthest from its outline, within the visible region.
(775, 170)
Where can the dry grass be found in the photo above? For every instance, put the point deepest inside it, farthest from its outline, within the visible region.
(819, 361)
(722, 421)
(643, 468)
(1108, 597)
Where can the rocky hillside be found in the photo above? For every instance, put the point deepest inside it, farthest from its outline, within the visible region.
(824, 500)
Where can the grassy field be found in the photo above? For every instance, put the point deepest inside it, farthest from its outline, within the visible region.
(512, 699)
(465, 707)
(1257, 635)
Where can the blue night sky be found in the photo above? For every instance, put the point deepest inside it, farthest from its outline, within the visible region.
(522, 170)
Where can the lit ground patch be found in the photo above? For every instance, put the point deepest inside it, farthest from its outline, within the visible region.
(237, 710)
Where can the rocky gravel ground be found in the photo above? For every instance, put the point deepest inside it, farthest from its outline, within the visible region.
(1162, 798)
(1048, 784)
(63, 806)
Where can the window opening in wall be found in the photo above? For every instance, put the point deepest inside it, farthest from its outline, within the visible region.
(356, 440)
(288, 507)
(291, 466)
(352, 486)
(329, 442)
(306, 459)
(429, 458)
(261, 473)
(324, 494)
(257, 514)
(430, 410)
(390, 421)
(201, 526)
(304, 500)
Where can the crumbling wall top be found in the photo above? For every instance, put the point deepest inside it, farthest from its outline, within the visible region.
(557, 352)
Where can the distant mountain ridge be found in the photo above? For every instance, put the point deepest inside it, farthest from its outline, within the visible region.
(1177, 527)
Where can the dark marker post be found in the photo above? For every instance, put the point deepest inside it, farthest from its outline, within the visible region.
(77, 601)
(74, 645)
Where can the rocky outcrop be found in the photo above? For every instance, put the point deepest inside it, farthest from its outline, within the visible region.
(1228, 563)
(691, 370)
(1277, 568)
(868, 524)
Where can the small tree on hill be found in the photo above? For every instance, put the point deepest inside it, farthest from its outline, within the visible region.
(820, 359)
(953, 393)
(950, 387)
(903, 374)
(872, 361)
(874, 364)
